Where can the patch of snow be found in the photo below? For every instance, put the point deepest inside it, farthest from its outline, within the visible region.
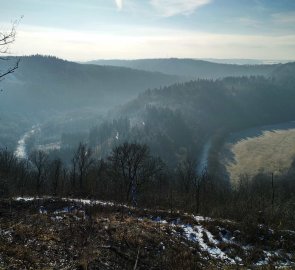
(262, 262)
(62, 211)
(201, 218)
(238, 259)
(226, 236)
(91, 202)
(288, 231)
(81, 201)
(196, 234)
(26, 199)
(159, 220)
(280, 263)
(176, 221)
(56, 218)
(7, 234)
(42, 210)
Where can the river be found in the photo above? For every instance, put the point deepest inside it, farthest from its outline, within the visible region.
(20, 151)
(203, 160)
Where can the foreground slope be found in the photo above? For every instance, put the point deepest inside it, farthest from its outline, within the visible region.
(84, 234)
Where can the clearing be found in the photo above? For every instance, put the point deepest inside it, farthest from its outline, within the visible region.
(268, 149)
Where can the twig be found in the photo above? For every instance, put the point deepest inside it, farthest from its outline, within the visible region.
(137, 257)
(10, 70)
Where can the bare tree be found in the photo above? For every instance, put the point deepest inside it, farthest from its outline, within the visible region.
(6, 39)
(8, 160)
(82, 160)
(8, 165)
(73, 174)
(55, 174)
(39, 160)
(135, 165)
(187, 174)
(23, 176)
(190, 181)
(198, 181)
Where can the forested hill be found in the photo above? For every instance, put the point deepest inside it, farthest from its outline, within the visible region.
(48, 82)
(231, 102)
(177, 120)
(192, 68)
(285, 73)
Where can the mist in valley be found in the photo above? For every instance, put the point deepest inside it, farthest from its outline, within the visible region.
(156, 142)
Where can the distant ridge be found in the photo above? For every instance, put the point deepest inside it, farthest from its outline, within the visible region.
(44, 82)
(192, 68)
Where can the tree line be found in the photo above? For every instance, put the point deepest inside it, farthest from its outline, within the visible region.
(130, 174)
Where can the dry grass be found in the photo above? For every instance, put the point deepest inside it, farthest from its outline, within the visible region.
(29, 240)
(273, 151)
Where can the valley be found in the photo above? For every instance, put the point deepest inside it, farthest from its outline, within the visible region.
(181, 161)
(147, 135)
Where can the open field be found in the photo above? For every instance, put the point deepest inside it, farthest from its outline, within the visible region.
(269, 149)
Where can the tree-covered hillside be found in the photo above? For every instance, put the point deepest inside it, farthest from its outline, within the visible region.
(191, 68)
(50, 83)
(177, 120)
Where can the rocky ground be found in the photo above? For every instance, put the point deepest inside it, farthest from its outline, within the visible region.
(53, 233)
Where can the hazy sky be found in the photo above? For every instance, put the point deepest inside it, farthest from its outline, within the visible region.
(127, 29)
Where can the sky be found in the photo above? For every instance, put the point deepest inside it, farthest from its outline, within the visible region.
(84, 30)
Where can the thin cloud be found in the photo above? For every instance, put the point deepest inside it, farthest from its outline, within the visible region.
(168, 8)
(151, 43)
(119, 4)
(284, 18)
(249, 22)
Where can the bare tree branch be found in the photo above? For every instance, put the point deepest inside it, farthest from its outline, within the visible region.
(10, 70)
(6, 39)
